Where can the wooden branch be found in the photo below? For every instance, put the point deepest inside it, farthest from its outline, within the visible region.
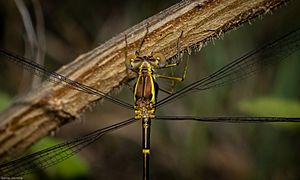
(53, 105)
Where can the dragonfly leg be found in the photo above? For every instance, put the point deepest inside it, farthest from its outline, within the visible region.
(130, 87)
(126, 46)
(137, 53)
(165, 91)
(172, 77)
(127, 62)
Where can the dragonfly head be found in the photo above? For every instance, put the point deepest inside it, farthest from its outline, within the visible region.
(153, 61)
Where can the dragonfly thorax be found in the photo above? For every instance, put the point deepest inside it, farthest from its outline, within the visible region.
(145, 88)
(145, 92)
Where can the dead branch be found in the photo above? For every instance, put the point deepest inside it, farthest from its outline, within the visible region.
(53, 105)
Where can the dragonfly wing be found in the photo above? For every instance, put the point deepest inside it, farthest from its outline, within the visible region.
(244, 66)
(55, 154)
(41, 71)
(229, 119)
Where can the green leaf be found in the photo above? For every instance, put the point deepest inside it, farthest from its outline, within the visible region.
(68, 169)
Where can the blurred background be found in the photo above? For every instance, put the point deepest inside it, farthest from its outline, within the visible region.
(56, 32)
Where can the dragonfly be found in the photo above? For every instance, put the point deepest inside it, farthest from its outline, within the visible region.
(146, 103)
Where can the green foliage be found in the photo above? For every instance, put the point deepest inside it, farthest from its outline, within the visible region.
(272, 106)
(71, 168)
(4, 101)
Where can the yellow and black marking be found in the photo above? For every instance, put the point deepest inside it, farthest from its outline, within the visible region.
(146, 151)
(145, 94)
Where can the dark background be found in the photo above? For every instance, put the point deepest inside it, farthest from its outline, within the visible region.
(180, 150)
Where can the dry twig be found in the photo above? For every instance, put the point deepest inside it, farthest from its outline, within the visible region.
(103, 68)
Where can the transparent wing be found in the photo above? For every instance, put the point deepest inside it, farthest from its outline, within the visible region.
(244, 66)
(229, 119)
(55, 154)
(41, 71)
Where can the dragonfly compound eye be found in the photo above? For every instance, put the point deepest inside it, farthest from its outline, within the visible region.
(130, 61)
(160, 58)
